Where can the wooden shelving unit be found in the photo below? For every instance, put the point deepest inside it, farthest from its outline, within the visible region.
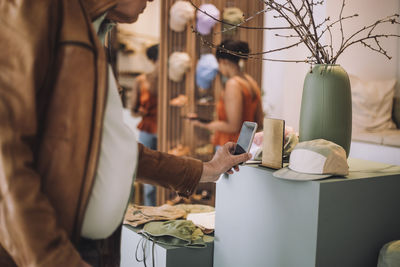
(173, 129)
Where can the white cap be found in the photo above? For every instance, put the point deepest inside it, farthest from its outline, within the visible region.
(180, 13)
(178, 64)
(315, 159)
(206, 19)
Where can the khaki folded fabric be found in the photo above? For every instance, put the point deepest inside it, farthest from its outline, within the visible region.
(138, 215)
(181, 233)
(194, 208)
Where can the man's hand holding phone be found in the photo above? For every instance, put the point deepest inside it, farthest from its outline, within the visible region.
(230, 155)
(245, 138)
(223, 161)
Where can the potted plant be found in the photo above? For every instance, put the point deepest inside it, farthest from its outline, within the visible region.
(326, 102)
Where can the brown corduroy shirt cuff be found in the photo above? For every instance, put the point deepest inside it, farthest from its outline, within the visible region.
(181, 174)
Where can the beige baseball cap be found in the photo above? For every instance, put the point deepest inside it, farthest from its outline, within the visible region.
(180, 14)
(178, 64)
(313, 160)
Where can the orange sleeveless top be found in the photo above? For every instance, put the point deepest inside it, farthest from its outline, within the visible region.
(147, 106)
(249, 109)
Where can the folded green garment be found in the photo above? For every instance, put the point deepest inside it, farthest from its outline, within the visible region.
(180, 233)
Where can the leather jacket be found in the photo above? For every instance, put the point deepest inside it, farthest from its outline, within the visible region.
(52, 100)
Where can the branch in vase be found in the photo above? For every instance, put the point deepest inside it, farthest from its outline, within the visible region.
(313, 35)
(380, 50)
(311, 17)
(286, 36)
(299, 17)
(390, 19)
(257, 55)
(244, 21)
(303, 30)
(331, 41)
(240, 25)
(341, 23)
(375, 37)
(299, 30)
(249, 55)
(332, 24)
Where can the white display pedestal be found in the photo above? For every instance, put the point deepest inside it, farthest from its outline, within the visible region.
(164, 256)
(263, 221)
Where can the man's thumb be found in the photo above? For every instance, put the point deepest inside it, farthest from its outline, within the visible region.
(241, 158)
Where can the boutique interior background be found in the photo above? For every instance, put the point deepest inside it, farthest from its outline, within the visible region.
(136, 38)
(283, 82)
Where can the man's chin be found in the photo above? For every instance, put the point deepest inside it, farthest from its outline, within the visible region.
(122, 18)
(128, 20)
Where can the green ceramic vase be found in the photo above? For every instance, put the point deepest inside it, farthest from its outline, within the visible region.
(326, 106)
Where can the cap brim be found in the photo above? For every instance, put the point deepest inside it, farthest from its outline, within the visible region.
(286, 173)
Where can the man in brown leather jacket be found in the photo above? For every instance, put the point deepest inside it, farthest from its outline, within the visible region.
(53, 93)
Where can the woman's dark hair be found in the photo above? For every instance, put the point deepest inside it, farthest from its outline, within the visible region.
(235, 46)
(152, 52)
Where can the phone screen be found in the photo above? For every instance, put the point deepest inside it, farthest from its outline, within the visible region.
(245, 137)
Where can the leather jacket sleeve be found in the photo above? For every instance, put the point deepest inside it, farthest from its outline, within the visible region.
(29, 231)
(181, 174)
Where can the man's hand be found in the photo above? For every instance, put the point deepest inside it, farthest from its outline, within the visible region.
(223, 161)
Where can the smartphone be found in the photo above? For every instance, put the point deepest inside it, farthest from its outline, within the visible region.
(197, 119)
(245, 137)
(203, 120)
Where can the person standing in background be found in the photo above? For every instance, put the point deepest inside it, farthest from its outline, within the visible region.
(241, 98)
(144, 100)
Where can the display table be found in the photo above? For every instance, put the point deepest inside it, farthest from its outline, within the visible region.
(165, 256)
(263, 221)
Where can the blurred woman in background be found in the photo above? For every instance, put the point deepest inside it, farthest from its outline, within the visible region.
(144, 100)
(240, 100)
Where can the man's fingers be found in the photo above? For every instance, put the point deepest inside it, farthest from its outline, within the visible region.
(236, 168)
(240, 158)
(230, 146)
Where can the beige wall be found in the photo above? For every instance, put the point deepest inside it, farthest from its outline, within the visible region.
(139, 36)
(148, 24)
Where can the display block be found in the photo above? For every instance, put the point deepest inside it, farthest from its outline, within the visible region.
(164, 256)
(266, 221)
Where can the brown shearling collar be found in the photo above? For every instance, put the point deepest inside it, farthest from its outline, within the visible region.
(96, 8)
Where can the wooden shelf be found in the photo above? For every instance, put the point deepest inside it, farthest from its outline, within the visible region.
(205, 104)
(173, 129)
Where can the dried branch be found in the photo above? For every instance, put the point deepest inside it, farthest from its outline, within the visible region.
(240, 24)
(331, 41)
(389, 19)
(278, 7)
(256, 55)
(248, 55)
(361, 40)
(379, 50)
(244, 21)
(287, 36)
(341, 23)
(333, 23)
(311, 17)
(300, 20)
